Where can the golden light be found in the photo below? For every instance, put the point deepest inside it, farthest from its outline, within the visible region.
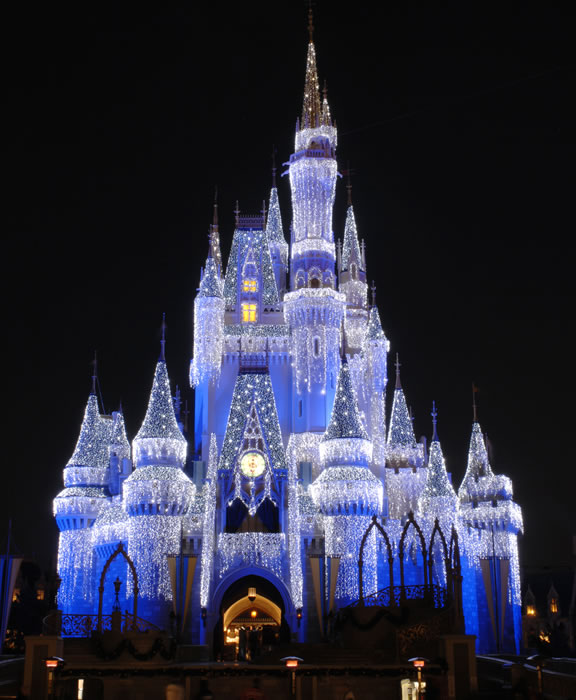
(252, 593)
(254, 613)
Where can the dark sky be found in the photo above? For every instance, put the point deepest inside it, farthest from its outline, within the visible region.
(458, 125)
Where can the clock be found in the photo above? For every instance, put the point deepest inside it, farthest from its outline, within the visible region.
(252, 464)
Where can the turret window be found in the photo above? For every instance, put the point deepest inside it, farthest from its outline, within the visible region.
(530, 611)
(249, 313)
(249, 285)
(553, 605)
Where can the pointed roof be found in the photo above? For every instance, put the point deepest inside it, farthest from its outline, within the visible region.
(274, 229)
(160, 420)
(438, 484)
(253, 392)
(345, 421)
(351, 247)
(243, 242)
(210, 284)
(311, 106)
(214, 235)
(92, 447)
(401, 431)
(478, 464)
(374, 328)
(118, 435)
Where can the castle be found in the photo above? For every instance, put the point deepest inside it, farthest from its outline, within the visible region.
(297, 470)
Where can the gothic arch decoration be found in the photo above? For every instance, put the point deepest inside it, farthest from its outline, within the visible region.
(411, 521)
(455, 581)
(119, 550)
(375, 524)
(437, 530)
(314, 277)
(300, 279)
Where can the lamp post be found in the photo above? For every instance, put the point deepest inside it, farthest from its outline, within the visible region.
(538, 661)
(419, 662)
(52, 663)
(292, 663)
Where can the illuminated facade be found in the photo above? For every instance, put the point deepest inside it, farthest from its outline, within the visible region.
(294, 453)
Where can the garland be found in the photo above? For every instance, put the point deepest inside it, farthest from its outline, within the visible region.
(166, 650)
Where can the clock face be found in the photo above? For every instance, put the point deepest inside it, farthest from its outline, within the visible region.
(252, 464)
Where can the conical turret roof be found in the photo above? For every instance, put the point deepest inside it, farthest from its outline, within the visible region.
(211, 284)
(91, 448)
(478, 463)
(374, 328)
(160, 421)
(345, 421)
(401, 432)
(274, 229)
(438, 490)
(351, 246)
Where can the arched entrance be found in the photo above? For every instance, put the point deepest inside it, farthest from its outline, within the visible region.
(252, 620)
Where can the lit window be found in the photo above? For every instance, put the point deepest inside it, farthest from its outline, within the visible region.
(249, 285)
(249, 313)
(531, 610)
(553, 605)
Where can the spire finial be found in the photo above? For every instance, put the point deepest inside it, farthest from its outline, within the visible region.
(163, 339)
(349, 184)
(215, 211)
(273, 166)
(237, 213)
(94, 372)
(310, 22)
(373, 290)
(264, 214)
(474, 407)
(311, 107)
(397, 365)
(434, 415)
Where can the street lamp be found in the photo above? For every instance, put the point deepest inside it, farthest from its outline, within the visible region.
(52, 663)
(538, 661)
(292, 663)
(419, 662)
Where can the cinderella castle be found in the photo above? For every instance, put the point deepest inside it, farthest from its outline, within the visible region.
(298, 496)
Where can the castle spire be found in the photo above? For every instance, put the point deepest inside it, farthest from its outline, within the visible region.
(163, 339)
(401, 433)
(438, 496)
(374, 329)
(478, 463)
(311, 107)
(214, 234)
(91, 448)
(211, 283)
(351, 248)
(345, 421)
(159, 440)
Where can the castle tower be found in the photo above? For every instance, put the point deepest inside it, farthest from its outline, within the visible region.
(490, 522)
(276, 240)
(76, 508)
(405, 469)
(313, 309)
(205, 367)
(347, 494)
(156, 495)
(352, 279)
(376, 347)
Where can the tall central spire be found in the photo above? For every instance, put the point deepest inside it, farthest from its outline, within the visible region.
(312, 105)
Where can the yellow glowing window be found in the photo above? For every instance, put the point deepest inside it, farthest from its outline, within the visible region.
(530, 610)
(249, 285)
(249, 313)
(553, 605)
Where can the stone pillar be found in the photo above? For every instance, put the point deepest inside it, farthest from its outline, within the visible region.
(459, 650)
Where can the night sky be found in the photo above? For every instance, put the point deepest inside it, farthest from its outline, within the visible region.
(458, 126)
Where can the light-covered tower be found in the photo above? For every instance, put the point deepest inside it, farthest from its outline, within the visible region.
(157, 494)
(347, 494)
(352, 279)
(276, 240)
(490, 523)
(405, 469)
(313, 309)
(118, 453)
(77, 507)
(376, 347)
(206, 363)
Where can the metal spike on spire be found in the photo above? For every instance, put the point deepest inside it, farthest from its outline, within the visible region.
(94, 372)
(214, 235)
(349, 185)
(397, 365)
(474, 407)
(237, 214)
(273, 166)
(163, 339)
(373, 290)
(434, 415)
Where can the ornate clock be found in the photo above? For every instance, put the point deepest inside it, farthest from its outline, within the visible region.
(252, 464)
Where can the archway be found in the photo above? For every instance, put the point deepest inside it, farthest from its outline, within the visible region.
(252, 619)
